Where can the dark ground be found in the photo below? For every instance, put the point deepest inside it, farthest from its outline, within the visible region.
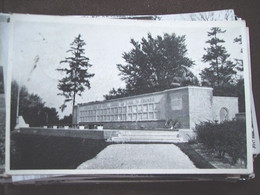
(248, 10)
(195, 157)
(50, 149)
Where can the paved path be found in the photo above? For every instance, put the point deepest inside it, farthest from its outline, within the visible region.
(139, 156)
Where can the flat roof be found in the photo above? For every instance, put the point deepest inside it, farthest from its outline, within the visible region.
(142, 95)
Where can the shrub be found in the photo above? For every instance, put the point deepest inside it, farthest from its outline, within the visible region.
(228, 137)
(172, 124)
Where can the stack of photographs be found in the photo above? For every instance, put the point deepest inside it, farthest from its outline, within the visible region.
(126, 98)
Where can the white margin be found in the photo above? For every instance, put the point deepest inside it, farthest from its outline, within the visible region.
(101, 21)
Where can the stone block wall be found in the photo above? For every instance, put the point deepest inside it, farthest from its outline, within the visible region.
(230, 103)
(149, 125)
(200, 105)
(188, 105)
(177, 107)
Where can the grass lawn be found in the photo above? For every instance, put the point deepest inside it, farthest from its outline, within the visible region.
(196, 157)
(213, 158)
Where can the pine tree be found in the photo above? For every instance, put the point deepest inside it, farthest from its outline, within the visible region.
(239, 61)
(77, 75)
(221, 71)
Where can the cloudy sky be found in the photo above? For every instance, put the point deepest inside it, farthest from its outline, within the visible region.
(49, 40)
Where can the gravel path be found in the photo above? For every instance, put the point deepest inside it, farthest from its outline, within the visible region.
(139, 156)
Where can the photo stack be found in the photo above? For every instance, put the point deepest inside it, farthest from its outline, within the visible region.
(127, 97)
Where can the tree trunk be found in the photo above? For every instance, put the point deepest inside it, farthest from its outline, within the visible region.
(73, 104)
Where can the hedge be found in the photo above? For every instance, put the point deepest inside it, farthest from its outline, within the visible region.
(31, 151)
(228, 137)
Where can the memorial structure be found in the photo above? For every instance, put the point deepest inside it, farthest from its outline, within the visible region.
(187, 105)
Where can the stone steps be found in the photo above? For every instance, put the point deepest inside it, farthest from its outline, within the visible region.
(149, 133)
(133, 140)
(146, 136)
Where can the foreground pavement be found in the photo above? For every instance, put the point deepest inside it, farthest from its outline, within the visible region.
(139, 156)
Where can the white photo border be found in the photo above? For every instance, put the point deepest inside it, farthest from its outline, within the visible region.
(184, 24)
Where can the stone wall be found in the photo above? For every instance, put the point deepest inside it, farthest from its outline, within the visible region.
(149, 125)
(230, 103)
(188, 105)
(169, 104)
(39, 131)
(200, 105)
(177, 106)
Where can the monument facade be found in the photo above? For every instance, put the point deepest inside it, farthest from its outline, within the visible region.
(185, 105)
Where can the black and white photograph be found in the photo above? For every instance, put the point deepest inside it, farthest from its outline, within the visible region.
(3, 73)
(2, 120)
(97, 96)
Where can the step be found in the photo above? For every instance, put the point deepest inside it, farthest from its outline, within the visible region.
(144, 137)
(120, 135)
(119, 140)
(147, 133)
(158, 139)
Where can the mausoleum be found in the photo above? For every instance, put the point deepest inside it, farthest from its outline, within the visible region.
(187, 105)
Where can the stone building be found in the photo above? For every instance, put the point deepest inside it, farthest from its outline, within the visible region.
(187, 105)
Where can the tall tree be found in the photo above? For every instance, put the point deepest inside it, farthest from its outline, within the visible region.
(239, 88)
(113, 94)
(155, 64)
(31, 107)
(66, 120)
(239, 61)
(77, 75)
(221, 71)
(48, 116)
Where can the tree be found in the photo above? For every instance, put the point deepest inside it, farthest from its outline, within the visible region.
(239, 61)
(66, 120)
(239, 88)
(221, 71)
(113, 94)
(31, 107)
(48, 116)
(155, 64)
(77, 75)
(213, 16)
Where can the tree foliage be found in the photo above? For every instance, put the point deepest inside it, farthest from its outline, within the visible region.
(31, 107)
(77, 75)
(221, 74)
(66, 120)
(221, 71)
(155, 64)
(116, 93)
(239, 61)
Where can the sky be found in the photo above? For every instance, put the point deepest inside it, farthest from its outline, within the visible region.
(105, 42)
